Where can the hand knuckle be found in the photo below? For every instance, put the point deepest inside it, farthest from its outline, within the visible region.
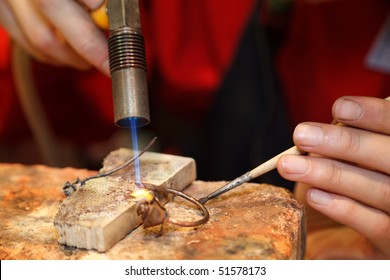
(386, 113)
(333, 174)
(91, 51)
(382, 229)
(45, 40)
(87, 46)
(351, 140)
(347, 212)
(386, 196)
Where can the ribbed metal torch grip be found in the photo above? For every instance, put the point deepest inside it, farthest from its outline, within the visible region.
(126, 49)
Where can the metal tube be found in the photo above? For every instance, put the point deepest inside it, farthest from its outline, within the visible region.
(127, 63)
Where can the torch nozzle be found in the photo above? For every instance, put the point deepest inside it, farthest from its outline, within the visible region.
(127, 64)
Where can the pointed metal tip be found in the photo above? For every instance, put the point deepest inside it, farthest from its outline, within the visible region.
(229, 186)
(203, 200)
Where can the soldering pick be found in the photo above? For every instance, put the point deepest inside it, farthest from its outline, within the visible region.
(250, 175)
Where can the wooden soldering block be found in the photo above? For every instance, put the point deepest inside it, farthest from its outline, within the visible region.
(101, 213)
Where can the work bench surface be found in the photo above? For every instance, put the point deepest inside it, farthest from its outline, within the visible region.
(255, 221)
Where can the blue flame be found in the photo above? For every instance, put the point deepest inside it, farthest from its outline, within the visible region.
(134, 138)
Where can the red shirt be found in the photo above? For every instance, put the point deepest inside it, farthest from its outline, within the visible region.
(324, 55)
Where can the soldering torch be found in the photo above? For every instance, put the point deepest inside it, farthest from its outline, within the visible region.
(127, 63)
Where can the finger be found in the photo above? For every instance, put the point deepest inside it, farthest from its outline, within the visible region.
(79, 30)
(92, 4)
(9, 22)
(366, 186)
(42, 37)
(363, 112)
(372, 223)
(345, 143)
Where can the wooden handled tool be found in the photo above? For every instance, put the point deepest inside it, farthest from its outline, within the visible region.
(254, 173)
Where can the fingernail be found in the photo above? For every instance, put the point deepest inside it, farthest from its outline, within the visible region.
(93, 4)
(308, 135)
(319, 197)
(348, 110)
(294, 164)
